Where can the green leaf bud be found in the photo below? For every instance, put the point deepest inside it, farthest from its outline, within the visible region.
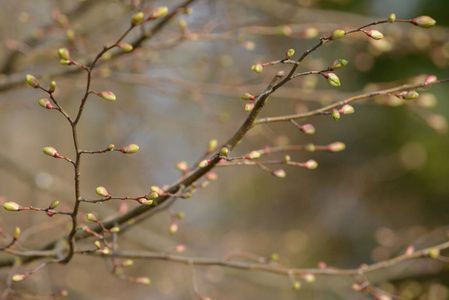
(335, 114)
(137, 17)
(203, 163)
(336, 147)
(434, 252)
(152, 196)
(32, 81)
(186, 195)
(52, 87)
(50, 151)
(253, 155)
(391, 18)
(224, 151)
(114, 229)
(412, 94)
(339, 63)
(12, 206)
(289, 54)
(130, 149)
(339, 33)
(332, 79)
(101, 191)
(311, 164)
(212, 145)
(424, 21)
(16, 233)
(53, 204)
(248, 96)
(142, 280)
(249, 106)
(307, 129)
(296, 285)
(258, 68)
(65, 62)
(374, 34)
(97, 244)
(280, 173)
(145, 201)
(111, 146)
(18, 277)
(91, 217)
(310, 148)
(108, 95)
(45, 103)
(346, 109)
(159, 12)
(126, 47)
(64, 53)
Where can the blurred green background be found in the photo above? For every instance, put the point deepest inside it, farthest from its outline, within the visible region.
(389, 189)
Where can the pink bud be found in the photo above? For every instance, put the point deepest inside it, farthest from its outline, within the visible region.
(203, 163)
(409, 251)
(249, 106)
(346, 109)
(159, 12)
(429, 79)
(18, 277)
(212, 176)
(253, 155)
(182, 166)
(142, 280)
(179, 248)
(173, 228)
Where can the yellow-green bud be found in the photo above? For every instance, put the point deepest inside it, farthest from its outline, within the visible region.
(142, 280)
(52, 87)
(424, 21)
(212, 145)
(310, 148)
(186, 195)
(108, 95)
(45, 103)
(97, 244)
(287, 158)
(65, 62)
(54, 204)
(274, 257)
(12, 206)
(91, 217)
(339, 33)
(152, 196)
(412, 94)
(137, 17)
(16, 233)
(249, 106)
(159, 12)
(434, 252)
(296, 285)
(114, 229)
(339, 63)
(332, 79)
(224, 151)
(126, 47)
(64, 53)
(18, 277)
(32, 81)
(145, 201)
(258, 68)
(391, 18)
(336, 147)
(280, 173)
(253, 155)
(155, 188)
(346, 109)
(203, 163)
(289, 54)
(50, 151)
(335, 114)
(248, 96)
(127, 263)
(311, 164)
(374, 34)
(101, 191)
(129, 149)
(111, 146)
(70, 35)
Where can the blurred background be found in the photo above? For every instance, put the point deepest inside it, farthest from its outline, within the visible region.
(389, 189)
